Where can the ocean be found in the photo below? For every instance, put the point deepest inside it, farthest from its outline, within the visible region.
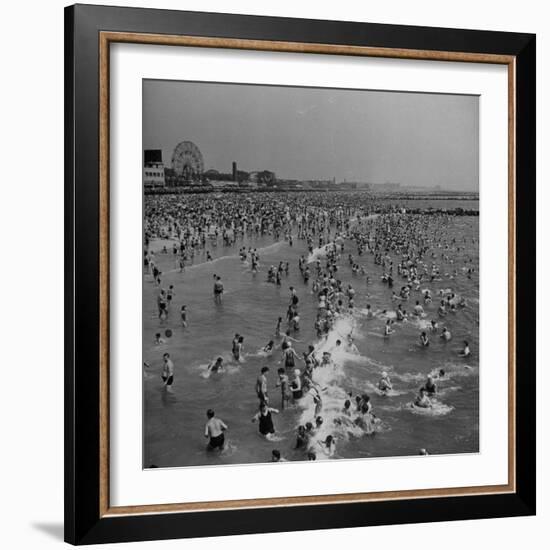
(174, 422)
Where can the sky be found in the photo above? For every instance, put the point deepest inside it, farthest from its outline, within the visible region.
(414, 139)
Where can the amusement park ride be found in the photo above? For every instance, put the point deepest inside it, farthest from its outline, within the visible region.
(187, 161)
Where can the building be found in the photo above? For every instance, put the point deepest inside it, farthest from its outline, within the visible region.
(153, 169)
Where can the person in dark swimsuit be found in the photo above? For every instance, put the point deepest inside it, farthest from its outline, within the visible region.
(289, 357)
(265, 420)
(217, 365)
(301, 438)
(218, 289)
(429, 387)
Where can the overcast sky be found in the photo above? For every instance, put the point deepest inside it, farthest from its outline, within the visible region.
(316, 133)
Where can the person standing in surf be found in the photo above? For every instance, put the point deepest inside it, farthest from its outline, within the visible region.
(384, 384)
(167, 372)
(214, 429)
(183, 315)
(261, 385)
(289, 357)
(466, 350)
(284, 383)
(238, 349)
(265, 420)
(218, 289)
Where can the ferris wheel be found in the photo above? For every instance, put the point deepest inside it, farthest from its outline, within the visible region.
(187, 160)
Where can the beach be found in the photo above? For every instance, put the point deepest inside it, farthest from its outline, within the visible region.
(174, 420)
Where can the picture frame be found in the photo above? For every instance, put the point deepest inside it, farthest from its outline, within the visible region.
(90, 31)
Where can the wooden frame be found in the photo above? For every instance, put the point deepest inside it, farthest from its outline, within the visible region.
(89, 516)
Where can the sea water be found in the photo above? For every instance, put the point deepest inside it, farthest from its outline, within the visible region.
(174, 421)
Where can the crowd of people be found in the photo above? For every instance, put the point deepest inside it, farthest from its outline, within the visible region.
(412, 255)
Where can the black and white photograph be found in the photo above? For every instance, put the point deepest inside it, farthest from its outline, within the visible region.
(310, 274)
(292, 261)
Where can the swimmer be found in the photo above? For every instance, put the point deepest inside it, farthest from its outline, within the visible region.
(284, 383)
(162, 305)
(287, 339)
(289, 357)
(310, 356)
(218, 289)
(418, 310)
(424, 340)
(295, 322)
(278, 327)
(261, 385)
(276, 456)
(296, 385)
(265, 420)
(234, 344)
(328, 446)
(351, 346)
(465, 350)
(445, 334)
(326, 360)
(365, 419)
(346, 409)
(422, 400)
(317, 400)
(268, 348)
(183, 315)
(238, 348)
(384, 384)
(400, 313)
(167, 372)
(301, 438)
(215, 429)
(159, 340)
(217, 365)
(293, 297)
(318, 423)
(170, 293)
(387, 328)
(427, 296)
(429, 387)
